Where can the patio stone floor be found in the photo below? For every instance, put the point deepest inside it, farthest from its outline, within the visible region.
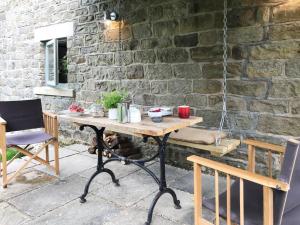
(38, 197)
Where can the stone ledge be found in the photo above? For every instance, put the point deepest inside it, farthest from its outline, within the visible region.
(63, 92)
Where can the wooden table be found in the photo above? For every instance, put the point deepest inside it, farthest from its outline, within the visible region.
(147, 129)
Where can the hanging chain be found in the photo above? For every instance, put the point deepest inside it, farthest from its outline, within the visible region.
(224, 117)
(119, 44)
(120, 35)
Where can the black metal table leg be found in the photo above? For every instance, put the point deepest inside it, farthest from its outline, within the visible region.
(100, 163)
(163, 184)
(161, 181)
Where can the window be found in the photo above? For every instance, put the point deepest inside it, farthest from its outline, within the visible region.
(56, 70)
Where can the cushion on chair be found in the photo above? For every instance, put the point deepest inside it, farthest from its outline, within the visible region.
(253, 209)
(197, 136)
(26, 138)
(284, 202)
(292, 217)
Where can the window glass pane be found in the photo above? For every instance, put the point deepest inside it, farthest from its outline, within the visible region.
(51, 63)
(62, 61)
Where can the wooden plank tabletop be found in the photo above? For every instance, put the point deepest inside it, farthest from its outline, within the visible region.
(145, 127)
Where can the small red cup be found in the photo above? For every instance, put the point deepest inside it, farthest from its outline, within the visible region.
(184, 112)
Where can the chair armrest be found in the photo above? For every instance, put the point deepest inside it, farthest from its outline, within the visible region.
(2, 121)
(265, 146)
(246, 175)
(51, 124)
(50, 114)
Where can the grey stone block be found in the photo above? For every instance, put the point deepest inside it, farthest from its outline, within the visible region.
(132, 189)
(117, 168)
(94, 211)
(189, 40)
(29, 180)
(165, 207)
(46, 198)
(71, 165)
(11, 216)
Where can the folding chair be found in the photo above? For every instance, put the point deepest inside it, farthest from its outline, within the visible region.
(25, 117)
(253, 199)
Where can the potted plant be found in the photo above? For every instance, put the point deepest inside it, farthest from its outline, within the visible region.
(110, 102)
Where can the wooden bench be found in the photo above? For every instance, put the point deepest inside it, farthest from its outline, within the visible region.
(204, 139)
(226, 146)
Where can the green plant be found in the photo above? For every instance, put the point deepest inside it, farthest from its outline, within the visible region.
(110, 100)
(10, 153)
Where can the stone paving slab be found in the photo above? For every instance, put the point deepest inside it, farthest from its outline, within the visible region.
(63, 152)
(71, 165)
(86, 153)
(46, 198)
(17, 163)
(78, 147)
(172, 173)
(135, 216)
(9, 215)
(93, 212)
(186, 184)
(132, 189)
(38, 198)
(31, 179)
(118, 168)
(165, 207)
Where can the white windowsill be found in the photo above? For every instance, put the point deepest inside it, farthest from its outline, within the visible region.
(54, 91)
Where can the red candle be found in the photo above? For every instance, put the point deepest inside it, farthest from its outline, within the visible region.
(184, 112)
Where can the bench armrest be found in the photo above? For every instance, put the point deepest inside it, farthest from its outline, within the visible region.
(246, 175)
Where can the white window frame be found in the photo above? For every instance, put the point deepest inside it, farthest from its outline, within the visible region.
(54, 43)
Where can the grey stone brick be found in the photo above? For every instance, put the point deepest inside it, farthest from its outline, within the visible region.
(159, 87)
(142, 30)
(247, 88)
(196, 23)
(189, 40)
(207, 86)
(135, 72)
(172, 55)
(180, 86)
(158, 72)
(145, 56)
(210, 53)
(188, 71)
(165, 28)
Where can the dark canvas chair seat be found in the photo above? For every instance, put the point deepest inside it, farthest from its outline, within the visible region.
(253, 196)
(35, 127)
(28, 138)
(291, 217)
(253, 209)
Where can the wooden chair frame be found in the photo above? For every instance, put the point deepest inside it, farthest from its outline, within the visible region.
(51, 127)
(268, 183)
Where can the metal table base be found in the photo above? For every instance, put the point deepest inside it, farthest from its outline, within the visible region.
(161, 180)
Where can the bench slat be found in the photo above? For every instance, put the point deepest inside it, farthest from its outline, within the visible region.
(226, 146)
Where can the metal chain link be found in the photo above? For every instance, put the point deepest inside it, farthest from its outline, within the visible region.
(224, 117)
(119, 43)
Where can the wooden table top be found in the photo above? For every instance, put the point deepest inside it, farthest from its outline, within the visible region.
(145, 127)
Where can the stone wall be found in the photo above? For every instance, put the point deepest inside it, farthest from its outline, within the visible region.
(171, 55)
